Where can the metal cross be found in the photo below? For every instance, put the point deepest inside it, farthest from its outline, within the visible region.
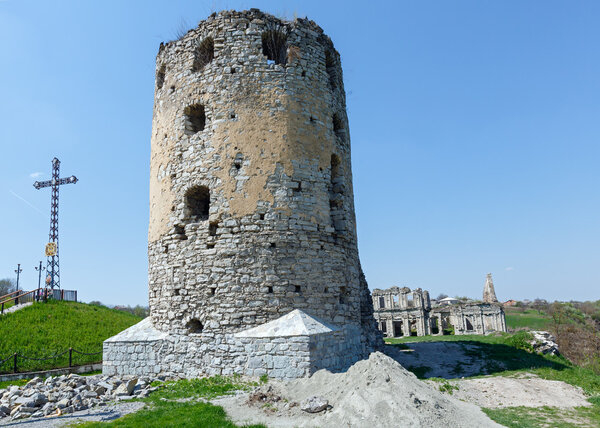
(53, 279)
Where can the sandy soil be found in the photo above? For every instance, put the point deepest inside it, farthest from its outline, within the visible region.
(374, 392)
(527, 390)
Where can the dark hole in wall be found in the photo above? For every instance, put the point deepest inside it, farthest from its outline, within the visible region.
(180, 230)
(203, 54)
(336, 197)
(343, 295)
(176, 291)
(338, 125)
(325, 290)
(312, 120)
(330, 66)
(213, 290)
(194, 326)
(469, 325)
(261, 216)
(160, 76)
(303, 73)
(297, 288)
(269, 289)
(197, 202)
(273, 245)
(210, 246)
(274, 46)
(212, 228)
(172, 88)
(195, 118)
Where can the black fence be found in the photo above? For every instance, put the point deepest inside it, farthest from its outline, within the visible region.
(13, 360)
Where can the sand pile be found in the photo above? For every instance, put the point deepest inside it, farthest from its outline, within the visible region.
(374, 392)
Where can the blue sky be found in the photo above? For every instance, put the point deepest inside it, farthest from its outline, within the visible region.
(474, 126)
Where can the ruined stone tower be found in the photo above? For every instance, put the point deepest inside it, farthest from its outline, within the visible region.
(489, 294)
(251, 199)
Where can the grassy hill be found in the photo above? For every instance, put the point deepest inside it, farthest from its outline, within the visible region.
(517, 318)
(46, 329)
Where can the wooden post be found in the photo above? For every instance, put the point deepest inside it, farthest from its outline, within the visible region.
(15, 362)
(70, 357)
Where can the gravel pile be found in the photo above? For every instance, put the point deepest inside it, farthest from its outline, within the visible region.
(62, 395)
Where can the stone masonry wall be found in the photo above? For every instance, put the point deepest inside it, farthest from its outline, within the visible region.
(265, 144)
(281, 357)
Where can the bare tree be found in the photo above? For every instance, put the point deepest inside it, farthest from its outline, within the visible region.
(7, 285)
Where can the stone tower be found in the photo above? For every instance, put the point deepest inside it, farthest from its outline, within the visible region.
(489, 294)
(251, 198)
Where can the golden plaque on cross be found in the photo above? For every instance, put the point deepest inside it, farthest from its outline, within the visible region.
(51, 249)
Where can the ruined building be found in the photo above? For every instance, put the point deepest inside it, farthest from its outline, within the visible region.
(253, 260)
(401, 312)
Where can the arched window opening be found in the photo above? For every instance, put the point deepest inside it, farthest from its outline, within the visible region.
(331, 68)
(197, 203)
(203, 54)
(195, 118)
(194, 326)
(160, 76)
(274, 46)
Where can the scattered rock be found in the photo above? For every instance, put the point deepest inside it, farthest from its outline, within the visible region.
(314, 404)
(126, 388)
(67, 394)
(544, 343)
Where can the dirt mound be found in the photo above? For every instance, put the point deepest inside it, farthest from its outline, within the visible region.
(374, 392)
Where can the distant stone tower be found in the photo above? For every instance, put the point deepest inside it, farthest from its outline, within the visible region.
(251, 199)
(489, 294)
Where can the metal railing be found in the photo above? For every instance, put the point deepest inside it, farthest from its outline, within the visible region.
(14, 358)
(39, 294)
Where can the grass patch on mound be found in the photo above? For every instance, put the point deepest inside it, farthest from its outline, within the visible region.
(177, 404)
(529, 318)
(45, 329)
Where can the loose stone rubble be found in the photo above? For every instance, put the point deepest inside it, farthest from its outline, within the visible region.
(251, 206)
(402, 312)
(544, 343)
(61, 395)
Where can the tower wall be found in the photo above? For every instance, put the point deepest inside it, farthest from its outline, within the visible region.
(274, 154)
(251, 208)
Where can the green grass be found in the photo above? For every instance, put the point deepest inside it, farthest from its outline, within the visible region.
(527, 417)
(18, 382)
(529, 318)
(46, 329)
(166, 408)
